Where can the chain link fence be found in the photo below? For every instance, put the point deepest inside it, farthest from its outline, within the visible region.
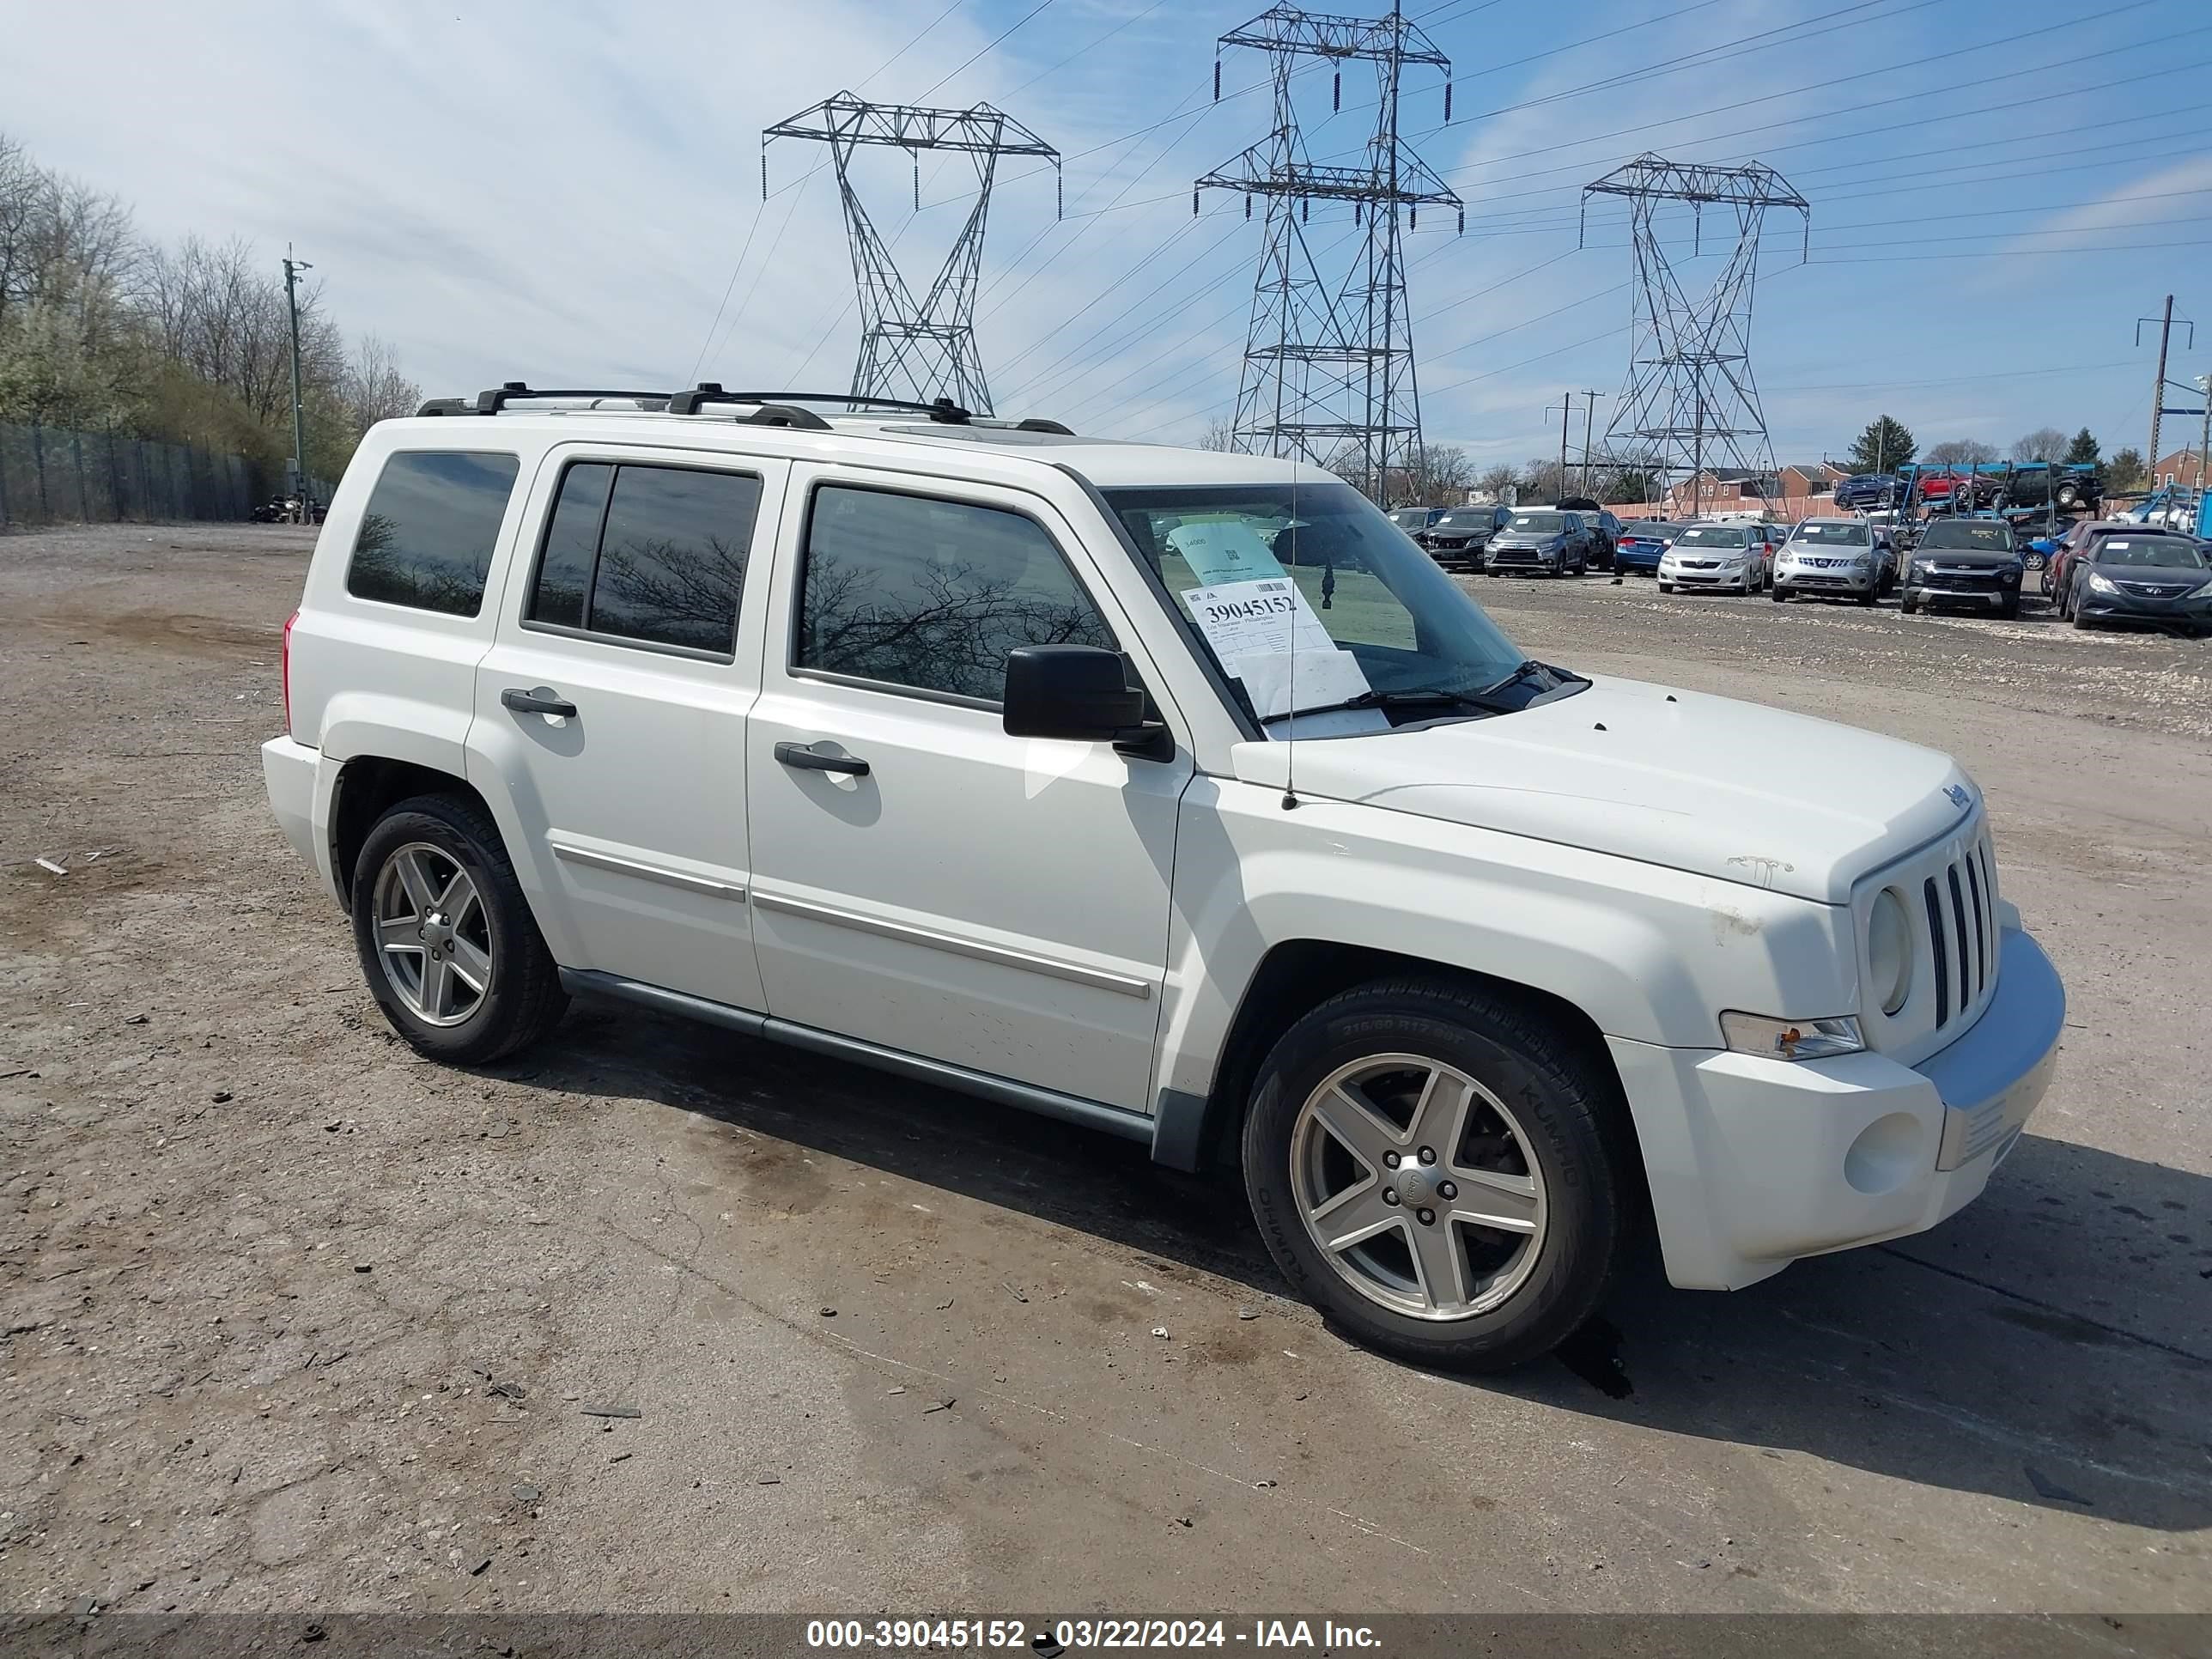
(49, 475)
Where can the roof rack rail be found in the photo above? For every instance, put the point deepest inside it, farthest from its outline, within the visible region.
(492, 401)
(941, 409)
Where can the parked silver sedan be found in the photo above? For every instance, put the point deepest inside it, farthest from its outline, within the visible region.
(1732, 556)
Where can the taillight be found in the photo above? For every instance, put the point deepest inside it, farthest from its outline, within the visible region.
(287, 659)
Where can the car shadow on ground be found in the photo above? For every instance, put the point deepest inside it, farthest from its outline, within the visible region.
(2048, 1346)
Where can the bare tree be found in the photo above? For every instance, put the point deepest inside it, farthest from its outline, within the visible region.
(1496, 481)
(1542, 480)
(1961, 451)
(2045, 443)
(1220, 436)
(373, 389)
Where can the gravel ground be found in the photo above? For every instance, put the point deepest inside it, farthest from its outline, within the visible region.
(295, 1320)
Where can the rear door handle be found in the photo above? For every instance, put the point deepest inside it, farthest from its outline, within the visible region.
(540, 700)
(807, 760)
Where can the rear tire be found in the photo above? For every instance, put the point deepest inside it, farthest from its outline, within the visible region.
(1516, 1113)
(494, 988)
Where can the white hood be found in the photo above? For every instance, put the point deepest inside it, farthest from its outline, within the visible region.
(1709, 785)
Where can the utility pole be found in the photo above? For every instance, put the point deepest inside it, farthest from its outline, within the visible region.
(1567, 411)
(1590, 408)
(2203, 442)
(2158, 386)
(292, 269)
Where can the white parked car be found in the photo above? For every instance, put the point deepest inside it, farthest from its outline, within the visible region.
(1719, 553)
(1172, 792)
(1834, 558)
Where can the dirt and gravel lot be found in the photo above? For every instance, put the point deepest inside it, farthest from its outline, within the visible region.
(294, 1320)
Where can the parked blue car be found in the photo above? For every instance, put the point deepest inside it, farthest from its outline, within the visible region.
(1642, 542)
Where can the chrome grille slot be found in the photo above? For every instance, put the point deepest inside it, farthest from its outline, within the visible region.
(1936, 943)
(1958, 915)
(1981, 932)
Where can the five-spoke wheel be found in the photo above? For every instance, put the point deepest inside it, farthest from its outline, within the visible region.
(1416, 1181)
(452, 953)
(1439, 1165)
(431, 933)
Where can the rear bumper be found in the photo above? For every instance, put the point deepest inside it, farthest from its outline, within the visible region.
(293, 772)
(1754, 1163)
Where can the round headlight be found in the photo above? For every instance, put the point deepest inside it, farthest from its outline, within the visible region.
(1889, 951)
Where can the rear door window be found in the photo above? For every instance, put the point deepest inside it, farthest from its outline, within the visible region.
(647, 555)
(431, 527)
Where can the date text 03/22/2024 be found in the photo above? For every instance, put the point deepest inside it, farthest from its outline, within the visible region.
(1056, 1636)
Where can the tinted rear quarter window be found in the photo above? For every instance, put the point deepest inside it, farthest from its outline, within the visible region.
(654, 554)
(430, 528)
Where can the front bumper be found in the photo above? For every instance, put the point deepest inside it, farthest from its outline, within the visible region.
(1793, 580)
(1523, 558)
(1753, 1163)
(1935, 592)
(2184, 613)
(1712, 578)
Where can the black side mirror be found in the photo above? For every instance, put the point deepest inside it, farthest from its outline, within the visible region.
(1077, 692)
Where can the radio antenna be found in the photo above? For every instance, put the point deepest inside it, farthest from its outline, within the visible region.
(1291, 719)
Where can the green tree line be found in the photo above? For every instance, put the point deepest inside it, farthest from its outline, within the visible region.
(102, 328)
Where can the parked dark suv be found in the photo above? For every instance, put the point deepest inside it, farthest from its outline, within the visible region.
(1970, 561)
(1458, 536)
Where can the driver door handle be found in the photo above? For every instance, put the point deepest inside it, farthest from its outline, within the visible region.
(539, 700)
(807, 760)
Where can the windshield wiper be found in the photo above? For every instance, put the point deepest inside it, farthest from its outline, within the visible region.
(1528, 666)
(1372, 699)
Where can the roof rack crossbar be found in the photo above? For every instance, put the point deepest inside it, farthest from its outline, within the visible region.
(942, 410)
(499, 396)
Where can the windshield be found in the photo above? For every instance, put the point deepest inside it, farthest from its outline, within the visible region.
(2169, 551)
(1711, 534)
(1364, 611)
(1832, 535)
(1542, 524)
(1980, 538)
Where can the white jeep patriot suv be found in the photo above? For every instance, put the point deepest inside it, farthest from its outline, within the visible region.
(1175, 793)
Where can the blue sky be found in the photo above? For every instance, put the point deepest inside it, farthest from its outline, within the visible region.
(573, 193)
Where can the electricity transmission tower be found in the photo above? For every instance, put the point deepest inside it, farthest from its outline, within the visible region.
(1329, 360)
(1689, 401)
(913, 348)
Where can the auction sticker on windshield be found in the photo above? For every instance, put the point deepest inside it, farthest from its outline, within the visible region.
(1254, 619)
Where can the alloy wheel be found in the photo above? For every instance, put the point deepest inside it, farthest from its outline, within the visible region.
(1418, 1185)
(432, 934)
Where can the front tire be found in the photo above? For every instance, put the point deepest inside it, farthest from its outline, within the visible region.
(1666, 587)
(1415, 1098)
(450, 950)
